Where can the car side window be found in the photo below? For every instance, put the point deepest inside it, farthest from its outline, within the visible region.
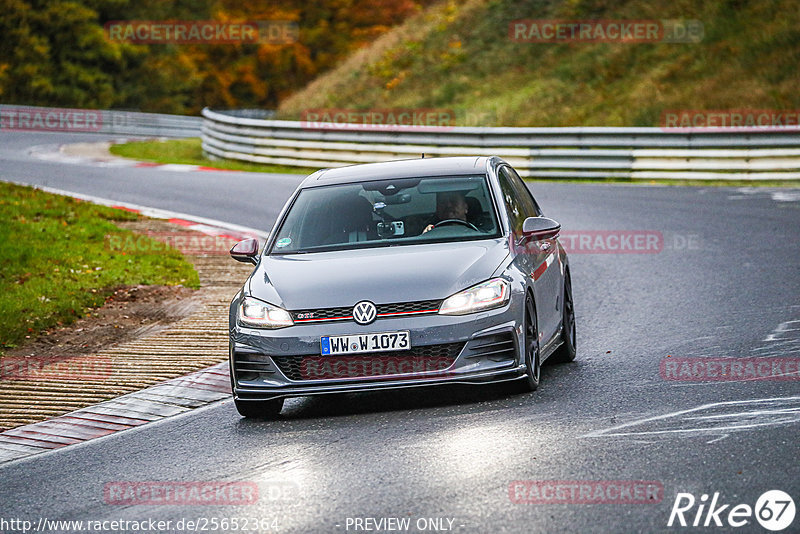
(529, 204)
(511, 200)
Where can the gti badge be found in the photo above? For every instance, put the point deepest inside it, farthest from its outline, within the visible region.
(364, 312)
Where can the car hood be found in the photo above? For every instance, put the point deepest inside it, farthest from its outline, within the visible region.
(381, 275)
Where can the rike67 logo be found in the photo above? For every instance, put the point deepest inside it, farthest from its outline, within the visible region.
(774, 510)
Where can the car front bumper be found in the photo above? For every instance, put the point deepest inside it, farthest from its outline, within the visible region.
(481, 348)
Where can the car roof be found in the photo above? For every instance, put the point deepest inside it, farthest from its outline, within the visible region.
(408, 168)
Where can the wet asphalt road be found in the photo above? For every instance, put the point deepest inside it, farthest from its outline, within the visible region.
(725, 283)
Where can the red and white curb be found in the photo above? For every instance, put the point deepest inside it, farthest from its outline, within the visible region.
(180, 167)
(56, 153)
(204, 225)
(161, 401)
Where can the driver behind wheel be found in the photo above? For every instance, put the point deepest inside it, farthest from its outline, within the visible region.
(449, 205)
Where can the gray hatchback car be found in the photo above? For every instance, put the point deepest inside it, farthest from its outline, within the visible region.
(401, 274)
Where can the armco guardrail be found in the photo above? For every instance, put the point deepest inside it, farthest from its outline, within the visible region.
(101, 121)
(596, 152)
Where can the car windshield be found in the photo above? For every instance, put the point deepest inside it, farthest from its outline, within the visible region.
(388, 212)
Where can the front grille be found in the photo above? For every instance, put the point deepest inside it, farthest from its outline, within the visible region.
(322, 314)
(409, 307)
(419, 307)
(419, 360)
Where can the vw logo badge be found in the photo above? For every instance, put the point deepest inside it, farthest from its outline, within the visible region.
(364, 312)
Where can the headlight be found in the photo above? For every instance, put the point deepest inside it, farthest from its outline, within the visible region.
(485, 296)
(253, 312)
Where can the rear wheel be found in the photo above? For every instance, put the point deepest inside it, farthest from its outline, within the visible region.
(531, 341)
(566, 352)
(259, 409)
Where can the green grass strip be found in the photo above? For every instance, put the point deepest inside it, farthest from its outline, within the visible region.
(189, 151)
(57, 260)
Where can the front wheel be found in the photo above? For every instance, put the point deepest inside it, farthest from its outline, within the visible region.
(566, 352)
(259, 409)
(531, 340)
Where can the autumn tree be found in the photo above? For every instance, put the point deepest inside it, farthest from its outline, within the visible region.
(57, 53)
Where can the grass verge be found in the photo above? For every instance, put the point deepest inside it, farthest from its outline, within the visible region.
(56, 263)
(189, 151)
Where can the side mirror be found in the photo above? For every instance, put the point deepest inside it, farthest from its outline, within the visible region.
(245, 251)
(540, 228)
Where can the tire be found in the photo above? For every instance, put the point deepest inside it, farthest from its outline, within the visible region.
(533, 366)
(566, 352)
(259, 409)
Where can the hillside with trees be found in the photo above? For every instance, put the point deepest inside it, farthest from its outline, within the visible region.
(57, 53)
(460, 56)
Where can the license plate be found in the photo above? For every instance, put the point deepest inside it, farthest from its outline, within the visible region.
(358, 343)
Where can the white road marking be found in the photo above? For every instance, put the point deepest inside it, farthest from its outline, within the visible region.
(776, 194)
(777, 411)
(783, 327)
